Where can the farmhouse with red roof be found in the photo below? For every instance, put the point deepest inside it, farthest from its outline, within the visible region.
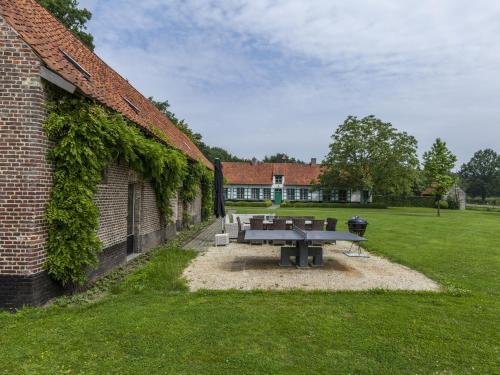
(38, 53)
(255, 181)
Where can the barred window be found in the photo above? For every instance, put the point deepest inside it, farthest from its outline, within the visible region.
(304, 194)
(267, 193)
(278, 180)
(240, 193)
(255, 193)
(290, 194)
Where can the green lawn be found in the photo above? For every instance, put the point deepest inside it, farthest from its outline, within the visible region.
(152, 324)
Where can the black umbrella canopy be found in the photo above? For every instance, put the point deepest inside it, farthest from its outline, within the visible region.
(219, 209)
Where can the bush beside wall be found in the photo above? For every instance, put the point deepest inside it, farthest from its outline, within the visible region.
(331, 205)
(405, 201)
(249, 203)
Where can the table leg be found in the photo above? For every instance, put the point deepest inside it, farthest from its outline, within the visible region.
(302, 261)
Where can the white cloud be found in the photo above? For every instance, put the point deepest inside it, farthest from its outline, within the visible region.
(263, 76)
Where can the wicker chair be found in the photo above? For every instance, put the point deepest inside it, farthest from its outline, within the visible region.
(299, 222)
(331, 224)
(241, 232)
(257, 224)
(279, 224)
(318, 225)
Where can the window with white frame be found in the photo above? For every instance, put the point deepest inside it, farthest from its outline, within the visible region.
(278, 180)
(226, 193)
(255, 193)
(290, 194)
(304, 194)
(240, 193)
(267, 193)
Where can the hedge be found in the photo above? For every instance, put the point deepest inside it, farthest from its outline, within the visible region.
(405, 201)
(331, 205)
(249, 203)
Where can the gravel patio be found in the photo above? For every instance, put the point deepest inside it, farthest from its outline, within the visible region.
(247, 267)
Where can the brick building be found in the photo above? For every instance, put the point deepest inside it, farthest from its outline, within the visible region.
(37, 52)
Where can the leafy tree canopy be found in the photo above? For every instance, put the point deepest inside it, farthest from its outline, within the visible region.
(371, 154)
(74, 18)
(438, 163)
(481, 174)
(211, 153)
(281, 158)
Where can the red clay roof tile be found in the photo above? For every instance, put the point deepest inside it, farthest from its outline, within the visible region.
(49, 38)
(246, 173)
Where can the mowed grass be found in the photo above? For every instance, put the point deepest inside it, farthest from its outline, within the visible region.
(153, 324)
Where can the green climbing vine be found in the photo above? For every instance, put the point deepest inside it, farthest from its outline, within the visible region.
(198, 181)
(87, 138)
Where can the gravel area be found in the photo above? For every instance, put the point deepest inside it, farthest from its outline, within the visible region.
(246, 267)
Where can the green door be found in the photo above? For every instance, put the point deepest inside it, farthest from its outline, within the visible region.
(278, 196)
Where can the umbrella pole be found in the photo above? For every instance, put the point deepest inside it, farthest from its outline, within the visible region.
(222, 224)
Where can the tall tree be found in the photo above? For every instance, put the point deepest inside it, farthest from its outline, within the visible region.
(370, 154)
(72, 17)
(481, 174)
(438, 163)
(281, 157)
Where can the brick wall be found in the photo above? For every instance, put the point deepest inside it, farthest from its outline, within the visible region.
(111, 199)
(25, 173)
(26, 180)
(150, 218)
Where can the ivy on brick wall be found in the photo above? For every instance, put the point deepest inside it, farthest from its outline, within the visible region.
(198, 181)
(87, 139)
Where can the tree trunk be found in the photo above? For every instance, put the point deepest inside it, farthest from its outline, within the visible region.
(439, 207)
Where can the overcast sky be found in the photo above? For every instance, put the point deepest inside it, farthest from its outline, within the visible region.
(264, 76)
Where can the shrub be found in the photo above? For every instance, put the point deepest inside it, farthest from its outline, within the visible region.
(331, 205)
(249, 203)
(442, 204)
(404, 201)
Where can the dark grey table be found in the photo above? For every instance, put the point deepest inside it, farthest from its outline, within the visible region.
(303, 240)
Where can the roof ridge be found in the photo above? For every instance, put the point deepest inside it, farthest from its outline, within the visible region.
(21, 15)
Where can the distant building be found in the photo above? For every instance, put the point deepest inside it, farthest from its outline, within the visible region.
(278, 182)
(455, 193)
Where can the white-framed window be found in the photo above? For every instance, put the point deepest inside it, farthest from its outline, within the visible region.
(240, 193)
(278, 180)
(304, 194)
(290, 194)
(267, 193)
(255, 193)
(226, 193)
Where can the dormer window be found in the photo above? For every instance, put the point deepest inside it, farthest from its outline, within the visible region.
(278, 180)
(73, 62)
(131, 104)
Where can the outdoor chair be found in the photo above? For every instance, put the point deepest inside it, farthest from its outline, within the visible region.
(256, 224)
(299, 222)
(279, 224)
(241, 232)
(331, 224)
(317, 225)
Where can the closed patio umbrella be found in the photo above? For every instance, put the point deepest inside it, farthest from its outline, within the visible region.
(219, 209)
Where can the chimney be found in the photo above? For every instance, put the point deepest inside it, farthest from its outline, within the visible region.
(313, 161)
